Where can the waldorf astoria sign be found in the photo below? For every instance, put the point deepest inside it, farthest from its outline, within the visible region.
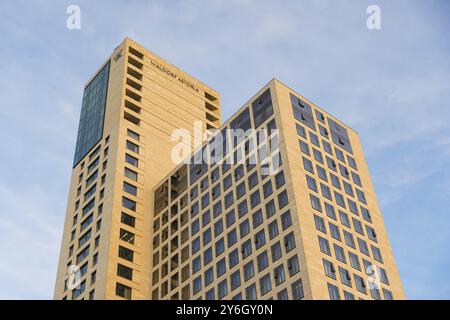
(173, 75)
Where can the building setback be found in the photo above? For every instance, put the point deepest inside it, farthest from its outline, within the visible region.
(276, 204)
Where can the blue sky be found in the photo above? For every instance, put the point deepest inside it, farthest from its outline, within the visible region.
(391, 85)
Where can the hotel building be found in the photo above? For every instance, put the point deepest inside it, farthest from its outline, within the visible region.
(277, 203)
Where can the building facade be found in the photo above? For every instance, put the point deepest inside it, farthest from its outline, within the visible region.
(277, 203)
(130, 108)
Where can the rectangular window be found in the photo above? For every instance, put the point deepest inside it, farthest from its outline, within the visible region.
(130, 174)
(126, 236)
(131, 160)
(129, 188)
(132, 146)
(133, 134)
(123, 291)
(127, 219)
(125, 253)
(124, 272)
(129, 204)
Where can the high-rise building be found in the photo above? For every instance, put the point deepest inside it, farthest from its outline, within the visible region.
(130, 108)
(275, 204)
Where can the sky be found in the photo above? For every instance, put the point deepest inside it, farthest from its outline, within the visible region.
(391, 85)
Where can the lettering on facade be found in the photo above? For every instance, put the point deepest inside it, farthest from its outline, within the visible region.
(174, 75)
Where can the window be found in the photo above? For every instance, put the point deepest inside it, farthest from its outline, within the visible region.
(322, 173)
(244, 228)
(345, 277)
(255, 199)
(132, 146)
(283, 199)
(307, 164)
(264, 284)
(233, 258)
(289, 242)
(249, 271)
(129, 204)
(267, 189)
(283, 295)
(242, 208)
(339, 199)
(129, 188)
(329, 269)
(335, 181)
(246, 249)
(131, 160)
(125, 253)
(231, 238)
(317, 155)
(130, 174)
(276, 251)
(297, 290)
(257, 218)
(133, 134)
(329, 209)
(333, 292)
(315, 203)
(222, 289)
(293, 266)
(235, 280)
(349, 240)
(334, 231)
(326, 192)
(250, 292)
(260, 239)
(279, 275)
(311, 182)
(263, 261)
(286, 220)
(123, 291)
(377, 254)
(363, 247)
(360, 284)
(124, 272)
(320, 224)
(209, 276)
(270, 209)
(387, 294)
(209, 295)
(279, 179)
(79, 291)
(300, 130)
(230, 218)
(273, 229)
(197, 284)
(221, 267)
(304, 148)
(354, 261)
(196, 265)
(126, 236)
(127, 219)
(324, 246)
(339, 252)
(220, 247)
(344, 218)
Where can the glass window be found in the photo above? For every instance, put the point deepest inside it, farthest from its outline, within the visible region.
(264, 284)
(286, 220)
(329, 269)
(333, 292)
(263, 261)
(324, 246)
(235, 280)
(249, 271)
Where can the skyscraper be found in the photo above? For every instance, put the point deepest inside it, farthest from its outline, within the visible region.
(278, 203)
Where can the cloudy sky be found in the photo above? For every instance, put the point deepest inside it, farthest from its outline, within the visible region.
(392, 85)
